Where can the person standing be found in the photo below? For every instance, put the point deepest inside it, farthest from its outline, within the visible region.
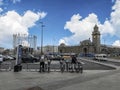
(74, 61)
(42, 63)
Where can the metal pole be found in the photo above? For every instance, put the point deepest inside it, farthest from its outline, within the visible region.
(42, 37)
(17, 55)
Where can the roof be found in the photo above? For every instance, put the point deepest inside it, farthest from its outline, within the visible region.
(86, 42)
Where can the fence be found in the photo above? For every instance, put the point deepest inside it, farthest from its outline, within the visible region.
(63, 67)
(5, 67)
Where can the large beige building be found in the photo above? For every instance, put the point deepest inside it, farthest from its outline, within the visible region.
(1, 50)
(88, 47)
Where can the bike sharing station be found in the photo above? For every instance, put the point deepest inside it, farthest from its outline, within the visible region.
(47, 66)
(18, 66)
(61, 66)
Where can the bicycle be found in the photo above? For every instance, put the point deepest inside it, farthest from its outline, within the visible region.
(48, 66)
(62, 66)
(79, 67)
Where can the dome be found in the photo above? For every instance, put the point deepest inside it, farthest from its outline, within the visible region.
(62, 44)
(86, 42)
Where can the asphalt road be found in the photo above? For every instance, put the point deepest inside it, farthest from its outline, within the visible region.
(111, 62)
(94, 66)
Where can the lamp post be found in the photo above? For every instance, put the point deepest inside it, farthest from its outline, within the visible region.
(41, 62)
(53, 45)
(42, 25)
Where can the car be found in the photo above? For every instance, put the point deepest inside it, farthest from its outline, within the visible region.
(1, 58)
(54, 57)
(100, 57)
(28, 58)
(7, 57)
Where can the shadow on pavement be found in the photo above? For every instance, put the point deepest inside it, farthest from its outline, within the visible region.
(34, 88)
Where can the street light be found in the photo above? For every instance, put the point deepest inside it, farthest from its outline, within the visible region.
(41, 63)
(42, 25)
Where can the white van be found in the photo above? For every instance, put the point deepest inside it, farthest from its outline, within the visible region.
(101, 57)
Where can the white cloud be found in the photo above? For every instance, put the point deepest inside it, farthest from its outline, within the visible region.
(115, 18)
(1, 10)
(13, 23)
(15, 1)
(116, 43)
(81, 28)
(107, 28)
(42, 14)
(62, 41)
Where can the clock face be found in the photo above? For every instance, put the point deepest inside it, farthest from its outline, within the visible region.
(94, 36)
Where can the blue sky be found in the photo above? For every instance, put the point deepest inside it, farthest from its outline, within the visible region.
(66, 21)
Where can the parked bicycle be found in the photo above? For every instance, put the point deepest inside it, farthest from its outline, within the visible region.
(78, 67)
(62, 65)
(48, 65)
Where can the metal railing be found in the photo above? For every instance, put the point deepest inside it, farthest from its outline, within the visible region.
(48, 67)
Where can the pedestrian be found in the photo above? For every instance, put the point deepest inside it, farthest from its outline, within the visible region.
(73, 62)
(74, 59)
(42, 63)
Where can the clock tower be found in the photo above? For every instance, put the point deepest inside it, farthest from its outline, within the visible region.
(96, 39)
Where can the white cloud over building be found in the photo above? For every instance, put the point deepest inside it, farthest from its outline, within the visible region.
(12, 23)
(116, 43)
(81, 28)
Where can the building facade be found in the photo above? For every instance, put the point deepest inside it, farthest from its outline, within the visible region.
(1, 50)
(48, 49)
(88, 47)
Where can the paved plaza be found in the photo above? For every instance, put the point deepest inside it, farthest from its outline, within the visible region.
(55, 80)
(48, 81)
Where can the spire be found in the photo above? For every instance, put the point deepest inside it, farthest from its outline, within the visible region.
(96, 31)
(95, 28)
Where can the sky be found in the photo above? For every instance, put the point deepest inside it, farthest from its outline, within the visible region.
(65, 21)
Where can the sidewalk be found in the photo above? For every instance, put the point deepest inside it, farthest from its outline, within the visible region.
(23, 80)
(111, 82)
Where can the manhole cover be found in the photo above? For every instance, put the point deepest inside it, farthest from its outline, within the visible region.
(35, 88)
